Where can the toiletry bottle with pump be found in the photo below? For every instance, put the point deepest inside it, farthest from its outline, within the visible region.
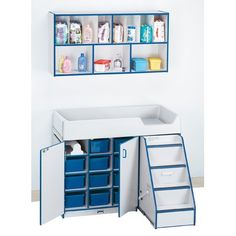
(82, 63)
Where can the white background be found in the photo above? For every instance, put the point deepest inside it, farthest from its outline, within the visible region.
(180, 90)
(215, 203)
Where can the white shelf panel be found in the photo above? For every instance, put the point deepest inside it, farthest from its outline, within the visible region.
(175, 206)
(166, 156)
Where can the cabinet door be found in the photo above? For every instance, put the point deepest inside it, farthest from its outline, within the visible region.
(129, 152)
(51, 182)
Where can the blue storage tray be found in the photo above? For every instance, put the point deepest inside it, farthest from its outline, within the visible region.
(99, 145)
(117, 161)
(75, 164)
(116, 179)
(139, 64)
(73, 182)
(99, 198)
(118, 142)
(99, 163)
(74, 200)
(116, 197)
(99, 180)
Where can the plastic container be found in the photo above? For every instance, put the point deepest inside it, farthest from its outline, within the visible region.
(139, 64)
(99, 180)
(75, 164)
(74, 200)
(131, 34)
(116, 179)
(74, 182)
(87, 34)
(117, 161)
(99, 163)
(116, 196)
(154, 63)
(82, 63)
(99, 198)
(99, 145)
(102, 65)
(146, 34)
(118, 142)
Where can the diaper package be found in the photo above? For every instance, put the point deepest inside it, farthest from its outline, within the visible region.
(75, 32)
(61, 33)
(103, 32)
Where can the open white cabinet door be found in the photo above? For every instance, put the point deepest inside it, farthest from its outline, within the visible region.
(129, 152)
(51, 182)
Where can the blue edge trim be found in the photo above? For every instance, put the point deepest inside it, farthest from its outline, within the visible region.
(154, 197)
(190, 181)
(40, 184)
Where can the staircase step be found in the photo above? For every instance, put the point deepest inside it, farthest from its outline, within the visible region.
(171, 188)
(168, 166)
(165, 145)
(175, 210)
(175, 217)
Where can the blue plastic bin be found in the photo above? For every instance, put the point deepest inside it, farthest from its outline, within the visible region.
(116, 196)
(99, 145)
(75, 164)
(99, 180)
(139, 64)
(99, 163)
(116, 179)
(99, 198)
(73, 182)
(118, 142)
(117, 161)
(74, 200)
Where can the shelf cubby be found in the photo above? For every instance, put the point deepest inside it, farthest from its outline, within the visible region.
(73, 53)
(151, 50)
(108, 50)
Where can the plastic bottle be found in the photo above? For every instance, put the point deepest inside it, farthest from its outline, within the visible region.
(88, 34)
(82, 63)
(118, 63)
(67, 65)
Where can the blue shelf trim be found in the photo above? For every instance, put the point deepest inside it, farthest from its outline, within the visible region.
(190, 181)
(165, 145)
(150, 174)
(106, 44)
(168, 30)
(172, 188)
(168, 166)
(159, 13)
(175, 210)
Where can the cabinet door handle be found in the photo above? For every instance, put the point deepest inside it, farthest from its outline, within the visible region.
(124, 153)
(100, 212)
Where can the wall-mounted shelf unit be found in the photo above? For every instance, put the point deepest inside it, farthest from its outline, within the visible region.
(95, 50)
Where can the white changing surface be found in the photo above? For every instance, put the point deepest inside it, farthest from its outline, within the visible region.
(100, 122)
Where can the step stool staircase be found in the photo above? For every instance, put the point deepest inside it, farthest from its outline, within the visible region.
(166, 193)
